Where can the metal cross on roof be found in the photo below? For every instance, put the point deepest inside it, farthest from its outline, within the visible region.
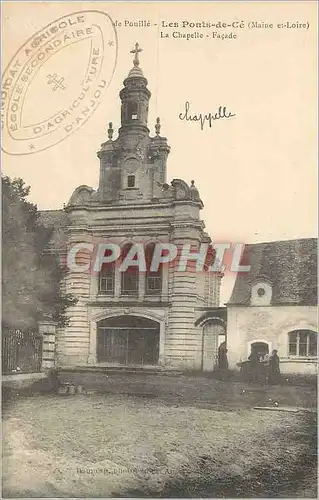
(136, 51)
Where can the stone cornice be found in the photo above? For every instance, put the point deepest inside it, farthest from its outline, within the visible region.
(109, 231)
(145, 229)
(113, 206)
(186, 225)
(122, 304)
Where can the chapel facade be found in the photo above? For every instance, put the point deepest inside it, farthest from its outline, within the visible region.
(165, 318)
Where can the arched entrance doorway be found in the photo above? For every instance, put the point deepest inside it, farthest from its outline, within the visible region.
(128, 340)
(213, 335)
(259, 348)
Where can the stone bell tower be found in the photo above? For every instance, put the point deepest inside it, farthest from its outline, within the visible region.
(133, 166)
(135, 98)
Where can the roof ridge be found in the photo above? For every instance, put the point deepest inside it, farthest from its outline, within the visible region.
(312, 238)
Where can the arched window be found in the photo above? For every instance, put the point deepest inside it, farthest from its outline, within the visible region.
(129, 278)
(302, 343)
(107, 277)
(153, 281)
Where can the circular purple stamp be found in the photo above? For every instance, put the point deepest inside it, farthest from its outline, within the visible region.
(56, 81)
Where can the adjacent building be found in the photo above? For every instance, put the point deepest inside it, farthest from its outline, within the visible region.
(274, 306)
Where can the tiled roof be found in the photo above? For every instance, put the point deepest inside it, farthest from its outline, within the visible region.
(57, 220)
(290, 267)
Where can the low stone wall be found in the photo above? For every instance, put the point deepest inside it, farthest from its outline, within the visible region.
(25, 384)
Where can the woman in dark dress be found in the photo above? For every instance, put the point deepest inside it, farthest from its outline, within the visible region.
(222, 360)
(274, 370)
(254, 367)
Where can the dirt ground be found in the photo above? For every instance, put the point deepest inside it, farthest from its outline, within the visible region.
(99, 445)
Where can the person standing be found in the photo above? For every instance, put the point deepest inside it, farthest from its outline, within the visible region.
(254, 366)
(274, 368)
(264, 369)
(222, 360)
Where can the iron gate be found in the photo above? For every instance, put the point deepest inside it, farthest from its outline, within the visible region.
(128, 341)
(21, 352)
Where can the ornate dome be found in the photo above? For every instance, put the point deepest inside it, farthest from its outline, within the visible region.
(136, 72)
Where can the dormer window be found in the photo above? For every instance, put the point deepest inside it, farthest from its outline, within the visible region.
(131, 181)
(261, 293)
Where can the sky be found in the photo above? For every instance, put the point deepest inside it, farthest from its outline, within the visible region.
(257, 171)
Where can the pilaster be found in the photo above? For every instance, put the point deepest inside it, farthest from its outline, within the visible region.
(47, 329)
(79, 283)
(182, 340)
